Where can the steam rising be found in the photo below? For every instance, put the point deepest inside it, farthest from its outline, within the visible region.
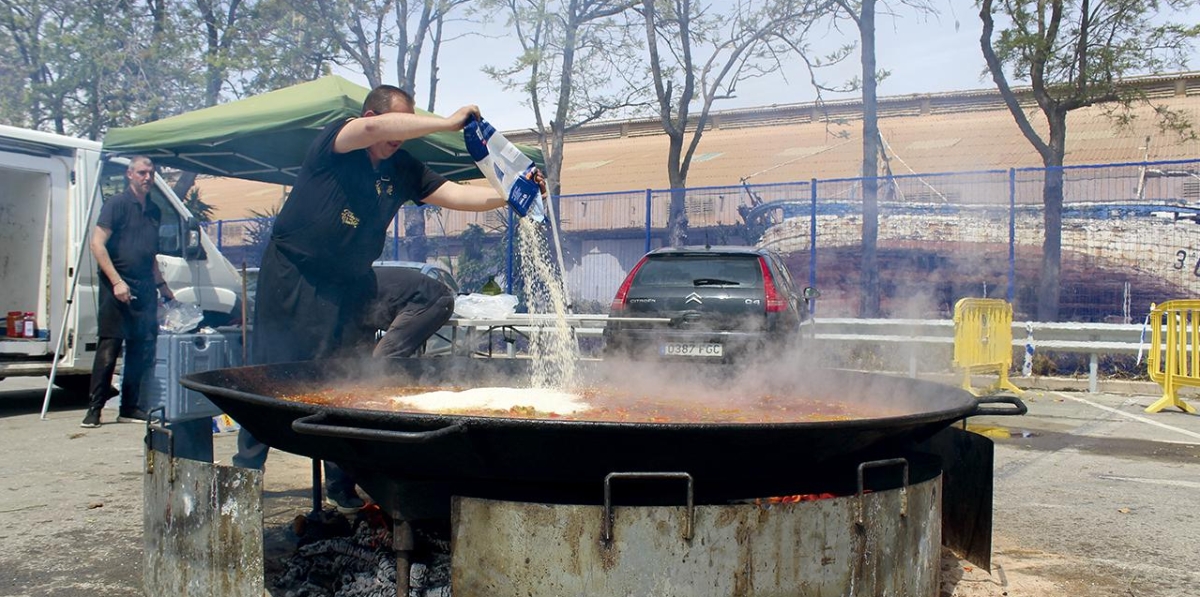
(788, 374)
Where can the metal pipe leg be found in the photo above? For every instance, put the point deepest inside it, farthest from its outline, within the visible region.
(402, 544)
(316, 488)
(1094, 373)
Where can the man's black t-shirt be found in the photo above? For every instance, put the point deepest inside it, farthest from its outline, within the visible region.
(133, 241)
(335, 220)
(316, 278)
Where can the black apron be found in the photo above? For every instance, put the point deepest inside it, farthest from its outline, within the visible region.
(136, 319)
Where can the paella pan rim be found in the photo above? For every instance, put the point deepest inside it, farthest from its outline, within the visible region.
(204, 383)
(483, 449)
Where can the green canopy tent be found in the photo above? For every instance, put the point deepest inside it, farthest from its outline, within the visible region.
(265, 137)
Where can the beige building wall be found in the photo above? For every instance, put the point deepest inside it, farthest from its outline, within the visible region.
(925, 133)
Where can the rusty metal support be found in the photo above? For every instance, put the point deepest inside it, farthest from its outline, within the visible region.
(202, 528)
(402, 543)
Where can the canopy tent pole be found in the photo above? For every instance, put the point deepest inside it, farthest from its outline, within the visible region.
(562, 268)
(83, 247)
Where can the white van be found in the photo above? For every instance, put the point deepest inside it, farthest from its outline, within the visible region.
(51, 190)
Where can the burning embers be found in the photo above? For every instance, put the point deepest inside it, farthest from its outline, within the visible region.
(337, 558)
(793, 499)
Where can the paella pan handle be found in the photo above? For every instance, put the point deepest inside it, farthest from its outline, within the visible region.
(315, 424)
(689, 523)
(981, 410)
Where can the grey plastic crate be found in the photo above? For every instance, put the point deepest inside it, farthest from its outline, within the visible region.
(233, 338)
(178, 355)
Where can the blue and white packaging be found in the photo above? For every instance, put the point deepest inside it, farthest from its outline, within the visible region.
(503, 164)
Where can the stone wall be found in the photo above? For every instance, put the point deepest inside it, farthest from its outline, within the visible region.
(1158, 257)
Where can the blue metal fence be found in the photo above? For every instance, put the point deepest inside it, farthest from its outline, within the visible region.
(1130, 236)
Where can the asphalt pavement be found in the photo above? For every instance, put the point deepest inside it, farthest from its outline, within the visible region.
(1099, 496)
(71, 498)
(1094, 498)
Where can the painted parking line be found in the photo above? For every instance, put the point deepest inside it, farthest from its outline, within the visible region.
(1167, 482)
(1134, 417)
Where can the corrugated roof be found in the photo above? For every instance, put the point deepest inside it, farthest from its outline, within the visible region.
(943, 132)
(923, 143)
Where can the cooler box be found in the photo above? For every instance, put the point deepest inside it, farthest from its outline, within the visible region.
(180, 354)
(233, 344)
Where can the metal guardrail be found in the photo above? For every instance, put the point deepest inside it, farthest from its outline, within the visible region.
(467, 333)
(1094, 339)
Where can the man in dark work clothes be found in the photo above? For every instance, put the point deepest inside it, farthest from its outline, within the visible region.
(409, 307)
(124, 243)
(316, 279)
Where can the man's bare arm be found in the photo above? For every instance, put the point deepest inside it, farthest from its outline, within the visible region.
(475, 198)
(104, 261)
(161, 284)
(398, 127)
(464, 197)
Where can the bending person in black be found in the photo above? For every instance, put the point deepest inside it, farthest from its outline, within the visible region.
(410, 307)
(316, 280)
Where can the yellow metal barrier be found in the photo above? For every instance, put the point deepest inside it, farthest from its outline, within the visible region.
(983, 342)
(1174, 357)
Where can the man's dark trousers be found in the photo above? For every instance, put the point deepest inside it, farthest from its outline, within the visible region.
(139, 360)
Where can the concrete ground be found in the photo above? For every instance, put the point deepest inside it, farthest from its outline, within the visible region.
(1094, 498)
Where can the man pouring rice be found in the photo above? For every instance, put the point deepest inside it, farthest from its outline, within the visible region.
(316, 280)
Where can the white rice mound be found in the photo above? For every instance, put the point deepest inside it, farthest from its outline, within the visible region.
(540, 399)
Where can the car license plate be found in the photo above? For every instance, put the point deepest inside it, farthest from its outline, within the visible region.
(692, 349)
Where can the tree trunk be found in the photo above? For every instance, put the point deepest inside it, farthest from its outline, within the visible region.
(869, 281)
(677, 220)
(1049, 285)
(434, 50)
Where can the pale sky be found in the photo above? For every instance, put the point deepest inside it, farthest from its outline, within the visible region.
(923, 55)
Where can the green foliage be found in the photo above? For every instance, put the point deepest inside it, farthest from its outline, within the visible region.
(195, 204)
(283, 47)
(81, 67)
(483, 256)
(1075, 60)
(258, 233)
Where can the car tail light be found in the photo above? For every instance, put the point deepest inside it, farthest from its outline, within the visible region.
(618, 303)
(775, 303)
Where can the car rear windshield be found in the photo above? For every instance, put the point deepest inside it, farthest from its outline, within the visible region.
(693, 270)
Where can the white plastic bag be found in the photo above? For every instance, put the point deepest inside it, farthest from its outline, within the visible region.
(180, 318)
(485, 306)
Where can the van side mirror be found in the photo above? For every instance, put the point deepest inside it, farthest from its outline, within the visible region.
(811, 293)
(193, 250)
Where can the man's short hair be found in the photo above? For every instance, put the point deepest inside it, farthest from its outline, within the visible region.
(137, 159)
(382, 98)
